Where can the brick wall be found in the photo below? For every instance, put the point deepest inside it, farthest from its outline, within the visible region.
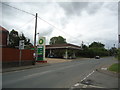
(11, 57)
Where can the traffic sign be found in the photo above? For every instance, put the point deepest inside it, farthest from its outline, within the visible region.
(21, 44)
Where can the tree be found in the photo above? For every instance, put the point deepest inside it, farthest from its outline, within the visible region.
(27, 43)
(57, 40)
(113, 51)
(94, 49)
(14, 39)
(97, 44)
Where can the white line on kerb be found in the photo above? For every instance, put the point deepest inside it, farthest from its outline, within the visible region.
(96, 86)
(88, 75)
(85, 86)
(77, 84)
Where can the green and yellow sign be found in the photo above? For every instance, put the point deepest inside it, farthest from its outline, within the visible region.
(40, 52)
(41, 41)
(41, 49)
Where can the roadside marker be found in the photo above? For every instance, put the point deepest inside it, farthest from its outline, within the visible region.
(77, 84)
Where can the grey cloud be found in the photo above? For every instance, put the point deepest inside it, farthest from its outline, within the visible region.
(46, 32)
(73, 7)
(94, 7)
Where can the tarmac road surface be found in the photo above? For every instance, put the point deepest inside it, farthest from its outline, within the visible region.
(61, 75)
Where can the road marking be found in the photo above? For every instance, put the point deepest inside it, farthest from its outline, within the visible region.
(88, 75)
(103, 68)
(37, 74)
(41, 73)
(77, 84)
(96, 86)
(85, 86)
(90, 86)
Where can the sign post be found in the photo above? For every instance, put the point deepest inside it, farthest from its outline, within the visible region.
(41, 50)
(21, 46)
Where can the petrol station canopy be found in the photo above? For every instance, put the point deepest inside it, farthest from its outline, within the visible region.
(63, 46)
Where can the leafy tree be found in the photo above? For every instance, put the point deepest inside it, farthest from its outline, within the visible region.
(96, 48)
(14, 39)
(57, 40)
(113, 51)
(97, 44)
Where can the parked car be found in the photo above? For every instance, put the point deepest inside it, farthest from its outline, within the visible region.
(97, 57)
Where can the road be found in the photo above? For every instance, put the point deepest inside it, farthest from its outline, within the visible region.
(60, 75)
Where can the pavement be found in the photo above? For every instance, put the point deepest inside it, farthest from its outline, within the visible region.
(24, 67)
(104, 69)
(38, 64)
(109, 79)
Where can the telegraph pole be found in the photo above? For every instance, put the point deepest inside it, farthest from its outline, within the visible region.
(35, 37)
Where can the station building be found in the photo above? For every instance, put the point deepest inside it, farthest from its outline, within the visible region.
(62, 50)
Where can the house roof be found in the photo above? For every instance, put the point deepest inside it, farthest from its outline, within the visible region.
(62, 46)
(3, 29)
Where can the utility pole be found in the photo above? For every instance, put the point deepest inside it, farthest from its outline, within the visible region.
(35, 37)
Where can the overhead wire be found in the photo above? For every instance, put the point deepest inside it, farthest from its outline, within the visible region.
(56, 28)
(25, 23)
(18, 9)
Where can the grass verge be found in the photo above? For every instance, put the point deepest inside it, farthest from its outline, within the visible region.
(115, 67)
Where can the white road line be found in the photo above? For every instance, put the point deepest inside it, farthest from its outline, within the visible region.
(90, 86)
(85, 86)
(77, 84)
(49, 71)
(37, 74)
(96, 86)
(88, 75)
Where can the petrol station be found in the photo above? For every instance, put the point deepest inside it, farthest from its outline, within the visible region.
(41, 50)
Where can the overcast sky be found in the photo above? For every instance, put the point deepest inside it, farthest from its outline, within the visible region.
(75, 21)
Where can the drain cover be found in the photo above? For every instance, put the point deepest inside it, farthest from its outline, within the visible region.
(87, 82)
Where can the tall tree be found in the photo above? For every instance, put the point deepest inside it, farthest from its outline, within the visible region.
(13, 39)
(97, 45)
(26, 41)
(57, 40)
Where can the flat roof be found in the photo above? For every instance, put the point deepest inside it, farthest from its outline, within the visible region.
(62, 46)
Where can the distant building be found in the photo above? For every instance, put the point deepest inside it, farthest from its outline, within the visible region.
(3, 37)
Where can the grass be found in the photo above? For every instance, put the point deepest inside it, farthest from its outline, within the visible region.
(115, 67)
